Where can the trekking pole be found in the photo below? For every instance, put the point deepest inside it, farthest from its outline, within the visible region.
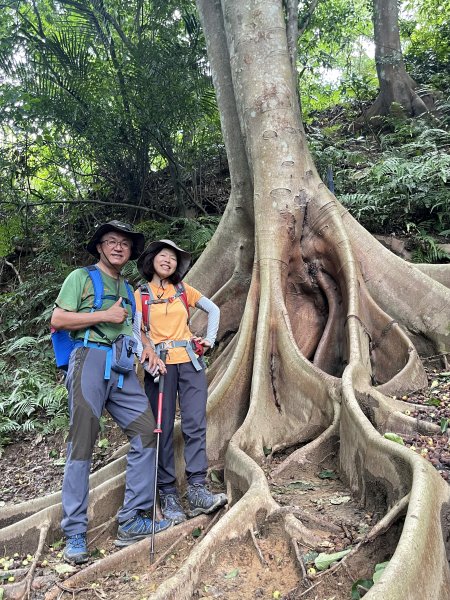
(157, 430)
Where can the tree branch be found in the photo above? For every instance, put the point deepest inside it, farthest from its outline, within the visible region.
(307, 18)
(78, 203)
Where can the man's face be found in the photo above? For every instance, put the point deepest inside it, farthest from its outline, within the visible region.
(116, 248)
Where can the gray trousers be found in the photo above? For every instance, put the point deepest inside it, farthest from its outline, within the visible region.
(89, 395)
(192, 390)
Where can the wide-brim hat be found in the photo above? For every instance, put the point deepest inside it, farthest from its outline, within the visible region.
(137, 239)
(184, 258)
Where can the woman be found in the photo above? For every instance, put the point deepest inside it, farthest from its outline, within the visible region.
(162, 309)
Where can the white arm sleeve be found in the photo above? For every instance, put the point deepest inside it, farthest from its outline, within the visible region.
(213, 312)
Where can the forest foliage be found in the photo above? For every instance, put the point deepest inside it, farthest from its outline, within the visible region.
(107, 110)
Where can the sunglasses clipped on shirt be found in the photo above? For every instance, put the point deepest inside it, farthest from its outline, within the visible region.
(125, 244)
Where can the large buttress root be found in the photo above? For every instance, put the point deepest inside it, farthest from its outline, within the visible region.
(318, 331)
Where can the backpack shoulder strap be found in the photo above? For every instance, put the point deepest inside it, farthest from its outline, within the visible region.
(181, 292)
(130, 298)
(97, 283)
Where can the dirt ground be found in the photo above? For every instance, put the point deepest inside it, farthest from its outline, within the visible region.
(265, 565)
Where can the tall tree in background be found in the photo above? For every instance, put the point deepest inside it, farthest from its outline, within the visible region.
(320, 334)
(395, 83)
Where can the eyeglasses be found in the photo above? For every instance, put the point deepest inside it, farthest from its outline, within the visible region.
(125, 244)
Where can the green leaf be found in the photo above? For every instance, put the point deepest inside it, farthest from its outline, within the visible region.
(64, 568)
(433, 402)
(58, 544)
(267, 451)
(103, 443)
(232, 574)
(328, 474)
(393, 437)
(340, 499)
(300, 485)
(197, 532)
(444, 425)
(310, 556)
(323, 561)
(60, 462)
(434, 383)
(365, 584)
(379, 570)
(2, 593)
(214, 477)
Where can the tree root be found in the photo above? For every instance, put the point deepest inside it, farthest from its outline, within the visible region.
(398, 510)
(312, 453)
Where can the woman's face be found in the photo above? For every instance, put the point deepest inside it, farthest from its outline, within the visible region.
(165, 263)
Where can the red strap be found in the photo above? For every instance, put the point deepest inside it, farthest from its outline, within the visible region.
(145, 297)
(183, 297)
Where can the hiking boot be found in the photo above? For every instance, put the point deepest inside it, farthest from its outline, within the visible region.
(171, 508)
(202, 501)
(137, 528)
(76, 549)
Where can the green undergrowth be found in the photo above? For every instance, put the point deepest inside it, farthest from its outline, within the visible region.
(395, 179)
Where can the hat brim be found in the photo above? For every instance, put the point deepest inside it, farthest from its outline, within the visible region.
(137, 239)
(184, 258)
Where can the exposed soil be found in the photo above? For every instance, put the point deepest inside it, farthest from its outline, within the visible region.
(265, 565)
(34, 465)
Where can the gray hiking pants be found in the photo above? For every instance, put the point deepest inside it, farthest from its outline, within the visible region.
(89, 395)
(192, 390)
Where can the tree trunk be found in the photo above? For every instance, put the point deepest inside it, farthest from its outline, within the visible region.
(396, 86)
(316, 336)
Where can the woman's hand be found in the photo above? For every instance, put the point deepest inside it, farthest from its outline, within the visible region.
(148, 354)
(203, 341)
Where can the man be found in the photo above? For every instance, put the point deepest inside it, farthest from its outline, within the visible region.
(92, 386)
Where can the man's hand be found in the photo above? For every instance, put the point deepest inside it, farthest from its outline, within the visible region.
(116, 313)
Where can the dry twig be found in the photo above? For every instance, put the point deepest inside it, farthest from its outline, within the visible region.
(213, 521)
(258, 549)
(300, 562)
(30, 576)
(164, 555)
(104, 527)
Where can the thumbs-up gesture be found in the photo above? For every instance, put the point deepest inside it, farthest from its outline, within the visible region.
(116, 313)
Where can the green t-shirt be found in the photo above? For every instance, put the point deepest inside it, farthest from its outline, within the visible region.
(77, 295)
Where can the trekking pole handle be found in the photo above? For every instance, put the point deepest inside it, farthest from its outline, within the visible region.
(160, 395)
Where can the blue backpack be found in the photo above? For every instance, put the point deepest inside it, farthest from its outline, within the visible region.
(62, 341)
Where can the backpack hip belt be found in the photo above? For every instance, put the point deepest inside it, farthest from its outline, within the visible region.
(169, 344)
(109, 358)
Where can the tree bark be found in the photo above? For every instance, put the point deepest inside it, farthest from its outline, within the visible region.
(396, 86)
